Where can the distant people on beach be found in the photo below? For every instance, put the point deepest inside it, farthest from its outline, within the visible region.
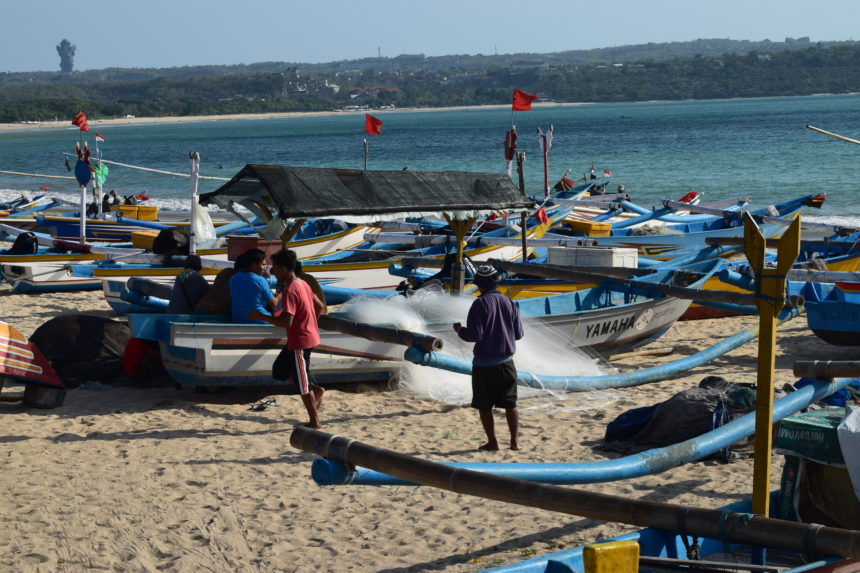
(249, 290)
(300, 309)
(110, 199)
(494, 325)
(189, 288)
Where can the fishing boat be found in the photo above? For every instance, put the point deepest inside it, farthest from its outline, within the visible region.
(62, 265)
(833, 311)
(22, 362)
(684, 239)
(824, 259)
(680, 538)
(208, 351)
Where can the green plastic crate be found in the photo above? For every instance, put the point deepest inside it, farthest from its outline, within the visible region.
(812, 435)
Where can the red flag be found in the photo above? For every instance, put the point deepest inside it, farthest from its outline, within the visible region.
(99, 137)
(607, 173)
(541, 216)
(522, 100)
(81, 121)
(372, 125)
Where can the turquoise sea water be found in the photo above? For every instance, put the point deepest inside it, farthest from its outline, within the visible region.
(724, 148)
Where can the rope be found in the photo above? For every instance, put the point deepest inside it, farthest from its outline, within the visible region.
(809, 539)
(159, 171)
(37, 175)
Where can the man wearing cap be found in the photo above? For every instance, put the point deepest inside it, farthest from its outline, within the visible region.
(494, 325)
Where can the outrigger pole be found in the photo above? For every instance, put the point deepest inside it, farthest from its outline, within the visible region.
(714, 523)
(833, 135)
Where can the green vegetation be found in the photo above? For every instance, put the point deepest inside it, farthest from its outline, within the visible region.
(704, 69)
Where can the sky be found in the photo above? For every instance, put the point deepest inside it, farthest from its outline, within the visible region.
(171, 33)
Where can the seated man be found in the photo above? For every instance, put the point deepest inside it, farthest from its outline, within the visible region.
(217, 300)
(249, 290)
(188, 288)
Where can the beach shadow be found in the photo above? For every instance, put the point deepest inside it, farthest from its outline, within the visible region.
(660, 494)
(151, 434)
(287, 456)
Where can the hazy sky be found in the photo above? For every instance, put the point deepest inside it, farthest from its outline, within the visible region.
(168, 33)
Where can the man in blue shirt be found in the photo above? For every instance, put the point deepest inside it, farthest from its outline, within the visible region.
(494, 325)
(249, 290)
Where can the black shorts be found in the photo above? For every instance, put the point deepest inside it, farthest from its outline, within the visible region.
(294, 365)
(494, 386)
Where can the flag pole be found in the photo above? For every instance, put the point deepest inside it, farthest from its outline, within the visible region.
(194, 168)
(83, 214)
(97, 188)
(511, 136)
(365, 153)
(82, 236)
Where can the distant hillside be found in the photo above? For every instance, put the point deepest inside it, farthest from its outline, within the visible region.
(701, 69)
(418, 62)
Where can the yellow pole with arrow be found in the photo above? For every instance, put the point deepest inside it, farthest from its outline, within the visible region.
(770, 297)
(460, 228)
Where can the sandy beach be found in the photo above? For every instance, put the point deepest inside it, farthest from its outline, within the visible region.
(131, 479)
(96, 122)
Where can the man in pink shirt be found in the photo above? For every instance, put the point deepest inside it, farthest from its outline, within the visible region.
(301, 307)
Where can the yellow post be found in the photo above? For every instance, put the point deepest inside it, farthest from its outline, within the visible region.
(611, 557)
(460, 229)
(770, 296)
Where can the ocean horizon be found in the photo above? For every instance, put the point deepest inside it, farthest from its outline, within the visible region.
(723, 148)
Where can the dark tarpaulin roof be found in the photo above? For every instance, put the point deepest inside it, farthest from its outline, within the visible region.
(295, 192)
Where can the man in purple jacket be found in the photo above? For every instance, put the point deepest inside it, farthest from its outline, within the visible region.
(494, 326)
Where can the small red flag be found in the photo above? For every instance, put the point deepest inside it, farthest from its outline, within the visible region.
(607, 173)
(372, 125)
(99, 137)
(522, 100)
(541, 216)
(81, 121)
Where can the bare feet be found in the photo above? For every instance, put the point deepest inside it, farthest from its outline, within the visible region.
(515, 445)
(490, 447)
(313, 426)
(318, 396)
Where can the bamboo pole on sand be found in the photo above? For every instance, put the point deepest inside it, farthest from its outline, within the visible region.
(712, 523)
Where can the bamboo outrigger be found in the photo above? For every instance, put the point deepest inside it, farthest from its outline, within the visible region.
(732, 527)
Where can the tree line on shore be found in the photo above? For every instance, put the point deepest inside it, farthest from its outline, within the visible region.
(215, 90)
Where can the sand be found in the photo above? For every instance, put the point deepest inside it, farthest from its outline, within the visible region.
(128, 479)
(95, 122)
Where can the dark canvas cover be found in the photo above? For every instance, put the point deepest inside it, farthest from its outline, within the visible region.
(295, 192)
(83, 347)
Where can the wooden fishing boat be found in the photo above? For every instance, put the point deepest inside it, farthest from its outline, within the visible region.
(208, 351)
(677, 538)
(833, 255)
(61, 267)
(684, 239)
(358, 267)
(21, 362)
(666, 550)
(833, 311)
